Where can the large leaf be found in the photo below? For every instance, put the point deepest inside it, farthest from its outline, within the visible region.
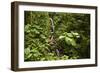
(27, 51)
(70, 41)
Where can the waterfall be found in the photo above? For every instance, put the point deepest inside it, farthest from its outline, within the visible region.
(52, 37)
(52, 25)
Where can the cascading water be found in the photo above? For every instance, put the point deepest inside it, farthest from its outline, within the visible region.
(52, 25)
(52, 36)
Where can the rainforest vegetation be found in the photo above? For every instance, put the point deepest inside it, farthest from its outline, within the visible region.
(56, 36)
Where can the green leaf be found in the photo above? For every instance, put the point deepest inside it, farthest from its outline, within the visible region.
(64, 57)
(27, 51)
(36, 55)
(61, 37)
(35, 31)
(69, 35)
(75, 33)
(29, 55)
(42, 36)
(42, 59)
(68, 40)
(73, 42)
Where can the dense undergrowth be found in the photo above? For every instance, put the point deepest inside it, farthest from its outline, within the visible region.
(67, 38)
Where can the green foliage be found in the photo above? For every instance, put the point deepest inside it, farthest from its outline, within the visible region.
(70, 39)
